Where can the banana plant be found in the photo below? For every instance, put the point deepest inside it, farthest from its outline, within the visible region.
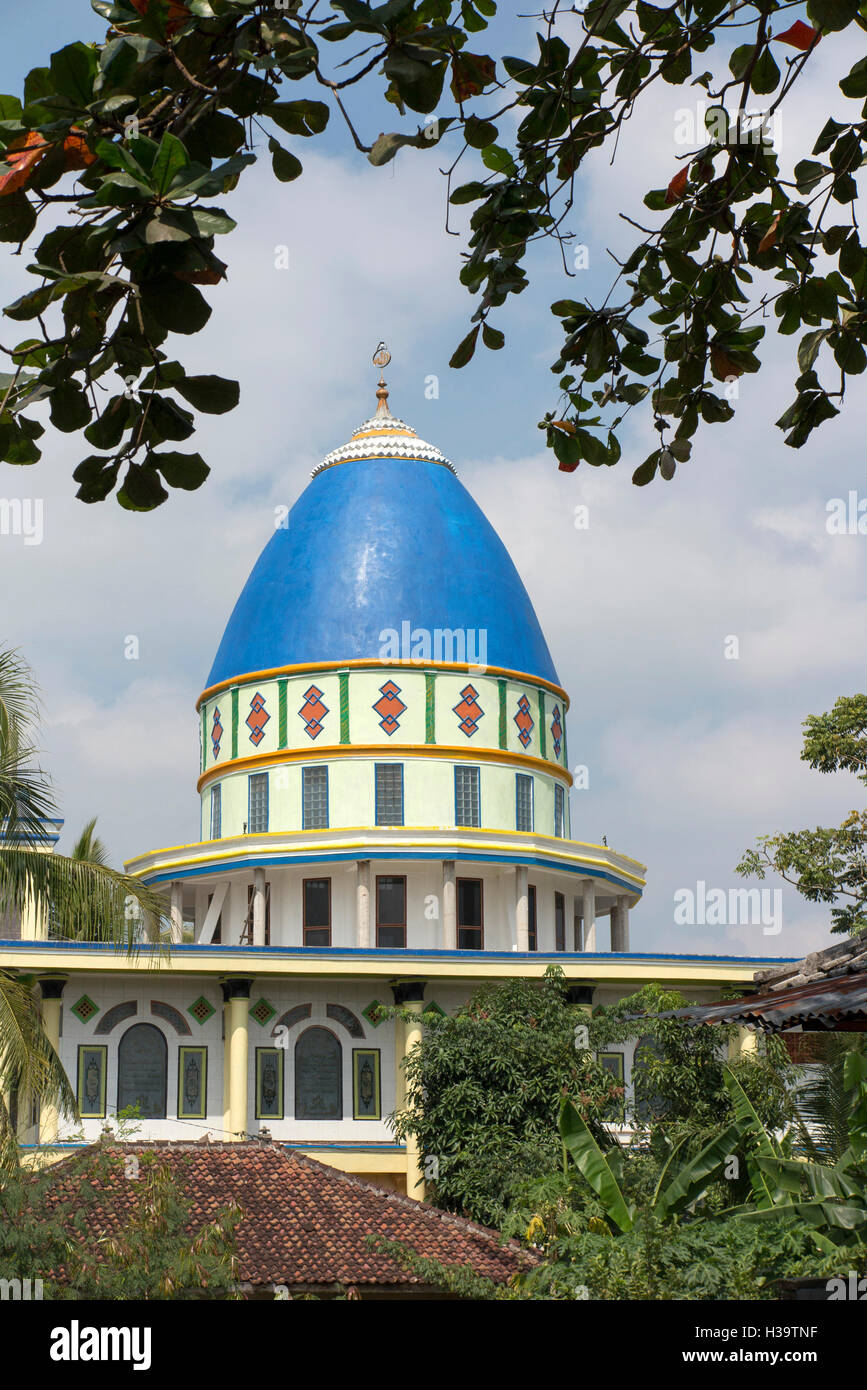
(678, 1187)
(822, 1195)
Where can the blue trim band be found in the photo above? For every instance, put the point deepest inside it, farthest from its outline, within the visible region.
(404, 953)
(537, 861)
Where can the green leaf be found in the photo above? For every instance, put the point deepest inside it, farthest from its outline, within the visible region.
(165, 419)
(496, 158)
(765, 76)
(286, 166)
(828, 134)
(162, 227)
(186, 471)
(567, 449)
(30, 305)
(469, 193)
(593, 1166)
(492, 337)
(212, 221)
(855, 85)
(417, 74)
(19, 448)
(849, 354)
(17, 218)
(171, 158)
(177, 305)
(740, 60)
(107, 431)
(215, 395)
(72, 72)
(70, 408)
(97, 475)
(299, 117)
(808, 348)
(809, 172)
(479, 134)
(830, 15)
(646, 471)
(465, 349)
(141, 490)
(692, 1179)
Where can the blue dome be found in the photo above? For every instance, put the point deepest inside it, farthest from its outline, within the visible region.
(375, 541)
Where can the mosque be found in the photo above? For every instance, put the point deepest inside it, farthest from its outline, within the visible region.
(385, 818)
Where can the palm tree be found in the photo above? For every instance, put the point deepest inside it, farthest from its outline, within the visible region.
(825, 1097)
(89, 846)
(80, 895)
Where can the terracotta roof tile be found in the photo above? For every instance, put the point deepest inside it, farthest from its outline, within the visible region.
(304, 1222)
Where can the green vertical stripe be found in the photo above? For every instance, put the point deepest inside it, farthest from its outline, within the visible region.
(430, 731)
(565, 754)
(344, 706)
(235, 722)
(504, 739)
(542, 730)
(204, 738)
(281, 714)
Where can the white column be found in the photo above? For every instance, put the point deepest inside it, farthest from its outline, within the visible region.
(522, 909)
(620, 924)
(588, 912)
(576, 923)
(258, 907)
(450, 907)
(177, 912)
(362, 904)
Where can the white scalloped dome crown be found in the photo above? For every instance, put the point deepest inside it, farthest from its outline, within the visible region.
(384, 436)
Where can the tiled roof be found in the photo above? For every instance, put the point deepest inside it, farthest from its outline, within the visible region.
(304, 1223)
(825, 990)
(847, 957)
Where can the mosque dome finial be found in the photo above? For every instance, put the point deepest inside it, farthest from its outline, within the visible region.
(381, 359)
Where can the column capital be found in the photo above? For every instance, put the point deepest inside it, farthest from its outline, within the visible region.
(408, 992)
(52, 986)
(236, 989)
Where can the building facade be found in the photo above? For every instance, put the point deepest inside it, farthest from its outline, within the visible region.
(385, 818)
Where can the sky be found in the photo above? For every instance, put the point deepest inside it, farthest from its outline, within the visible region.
(690, 754)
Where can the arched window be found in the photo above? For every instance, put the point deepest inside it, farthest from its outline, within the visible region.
(318, 1076)
(142, 1069)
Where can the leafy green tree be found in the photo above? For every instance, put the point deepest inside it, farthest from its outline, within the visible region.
(484, 1089)
(132, 138)
(826, 865)
(80, 898)
(678, 1074)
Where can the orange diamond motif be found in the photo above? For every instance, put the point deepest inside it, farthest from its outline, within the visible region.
(389, 707)
(313, 711)
(468, 710)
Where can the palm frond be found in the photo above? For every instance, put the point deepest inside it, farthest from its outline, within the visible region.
(26, 797)
(89, 846)
(81, 901)
(824, 1101)
(29, 1064)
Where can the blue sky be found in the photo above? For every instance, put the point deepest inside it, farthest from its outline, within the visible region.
(690, 755)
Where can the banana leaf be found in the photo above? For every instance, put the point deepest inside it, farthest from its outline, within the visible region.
(690, 1181)
(593, 1166)
(766, 1146)
(823, 1181)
